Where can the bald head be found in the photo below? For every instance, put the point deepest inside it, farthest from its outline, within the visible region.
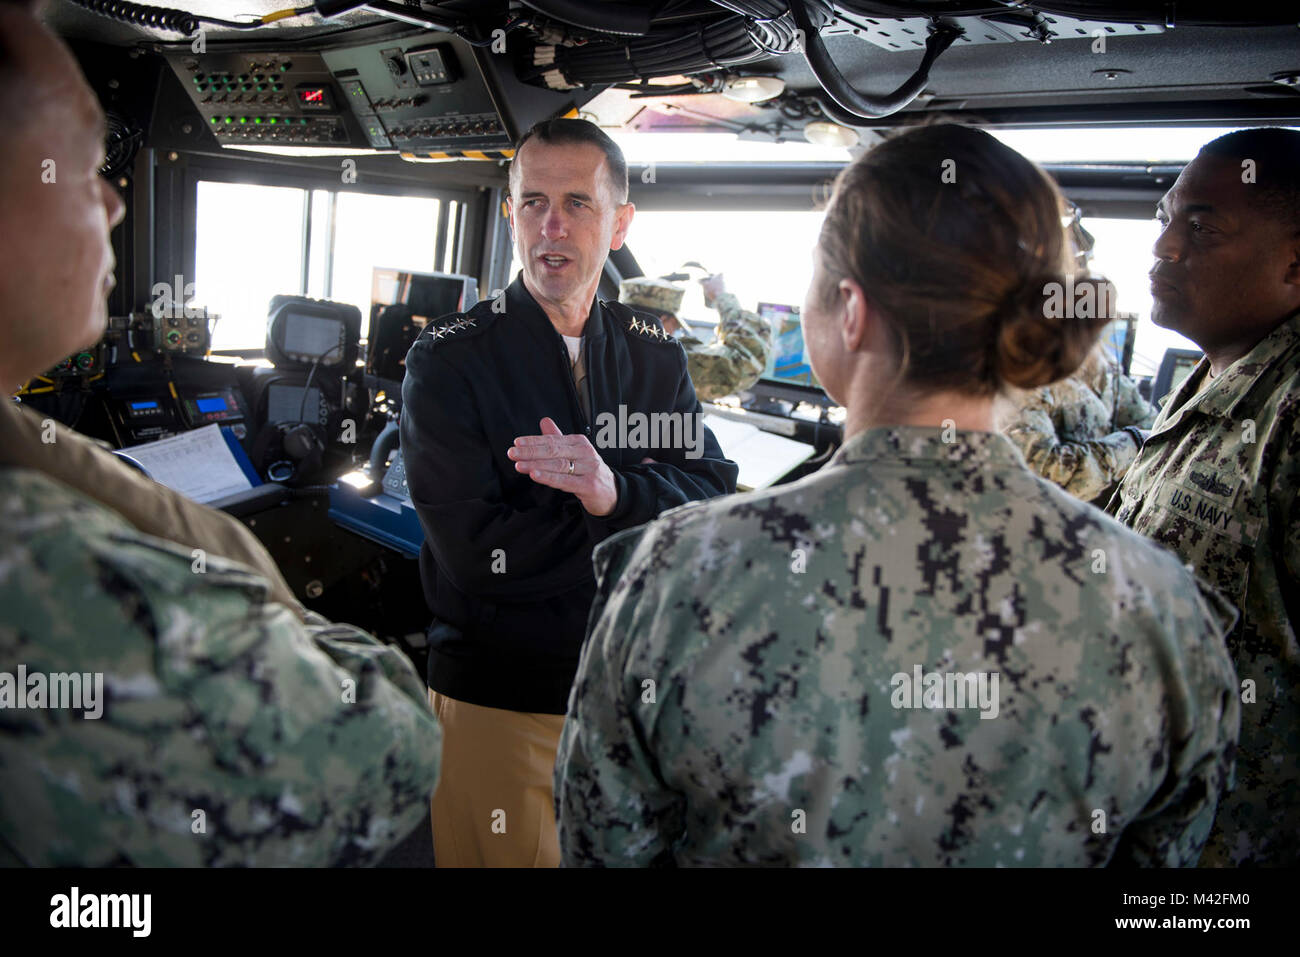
(56, 263)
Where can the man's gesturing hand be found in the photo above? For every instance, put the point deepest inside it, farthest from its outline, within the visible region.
(568, 463)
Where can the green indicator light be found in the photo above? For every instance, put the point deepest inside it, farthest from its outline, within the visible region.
(303, 122)
(243, 119)
(261, 86)
(198, 78)
(272, 121)
(230, 119)
(230, 88)
(257, 120)
(215, 119)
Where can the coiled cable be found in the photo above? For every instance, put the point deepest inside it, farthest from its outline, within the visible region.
(177, 21)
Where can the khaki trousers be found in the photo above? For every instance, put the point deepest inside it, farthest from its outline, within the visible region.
(493, 804)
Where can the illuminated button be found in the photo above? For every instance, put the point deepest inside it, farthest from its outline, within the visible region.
(243, 119)
(216, 119)
(257, 119)
(230, 119)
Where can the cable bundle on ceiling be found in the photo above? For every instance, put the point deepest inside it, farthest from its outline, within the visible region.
(752, 31)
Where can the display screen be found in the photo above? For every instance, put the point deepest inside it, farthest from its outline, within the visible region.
(1183, 367)
(310, 337)
(285, 403)
(401, 304)
(315, 98)
(217, 404)
(144, 405)
(787, 362)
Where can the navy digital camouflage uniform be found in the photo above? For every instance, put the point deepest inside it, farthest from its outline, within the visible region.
(771, 706)
(1073, 432)
(1217, 482)
(736, 355)
(299, 744)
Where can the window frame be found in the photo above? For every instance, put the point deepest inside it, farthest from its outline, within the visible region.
(179, 230)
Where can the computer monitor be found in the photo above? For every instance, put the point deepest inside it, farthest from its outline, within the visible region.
(1117, 340)
(402, 303)
(1176, 365)
(787, 364)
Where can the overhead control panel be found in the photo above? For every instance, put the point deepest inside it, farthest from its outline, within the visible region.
(267, 98)
(422, 95)
(425, 95)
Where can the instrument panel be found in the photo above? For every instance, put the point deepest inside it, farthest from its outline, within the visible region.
(421, 96)
(266, 98)
(413, 95)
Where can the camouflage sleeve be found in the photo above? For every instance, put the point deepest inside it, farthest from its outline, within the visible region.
(611, 806)
(737, 355)
(1132, 409)
(1205, 719)
(230, 733)
(154, 509)
(1084, 469)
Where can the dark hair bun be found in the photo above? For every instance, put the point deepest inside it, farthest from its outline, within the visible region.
(1048, 326)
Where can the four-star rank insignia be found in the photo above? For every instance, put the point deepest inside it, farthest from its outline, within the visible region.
(649, 331)
(452, 327)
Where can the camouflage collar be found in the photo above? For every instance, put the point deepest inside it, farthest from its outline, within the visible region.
(1233, 385)
(914, 442)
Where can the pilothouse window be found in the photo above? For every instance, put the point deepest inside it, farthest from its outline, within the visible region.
(248, 248)
(764, 256)
(395, 231)
(252, 242)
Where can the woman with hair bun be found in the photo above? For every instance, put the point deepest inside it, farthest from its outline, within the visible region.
(923, 654)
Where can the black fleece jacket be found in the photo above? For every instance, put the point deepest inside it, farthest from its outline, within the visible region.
(506, 562)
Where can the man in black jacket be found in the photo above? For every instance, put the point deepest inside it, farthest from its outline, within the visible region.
(533, 426)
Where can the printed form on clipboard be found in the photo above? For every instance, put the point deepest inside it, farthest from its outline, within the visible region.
(206, 464)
